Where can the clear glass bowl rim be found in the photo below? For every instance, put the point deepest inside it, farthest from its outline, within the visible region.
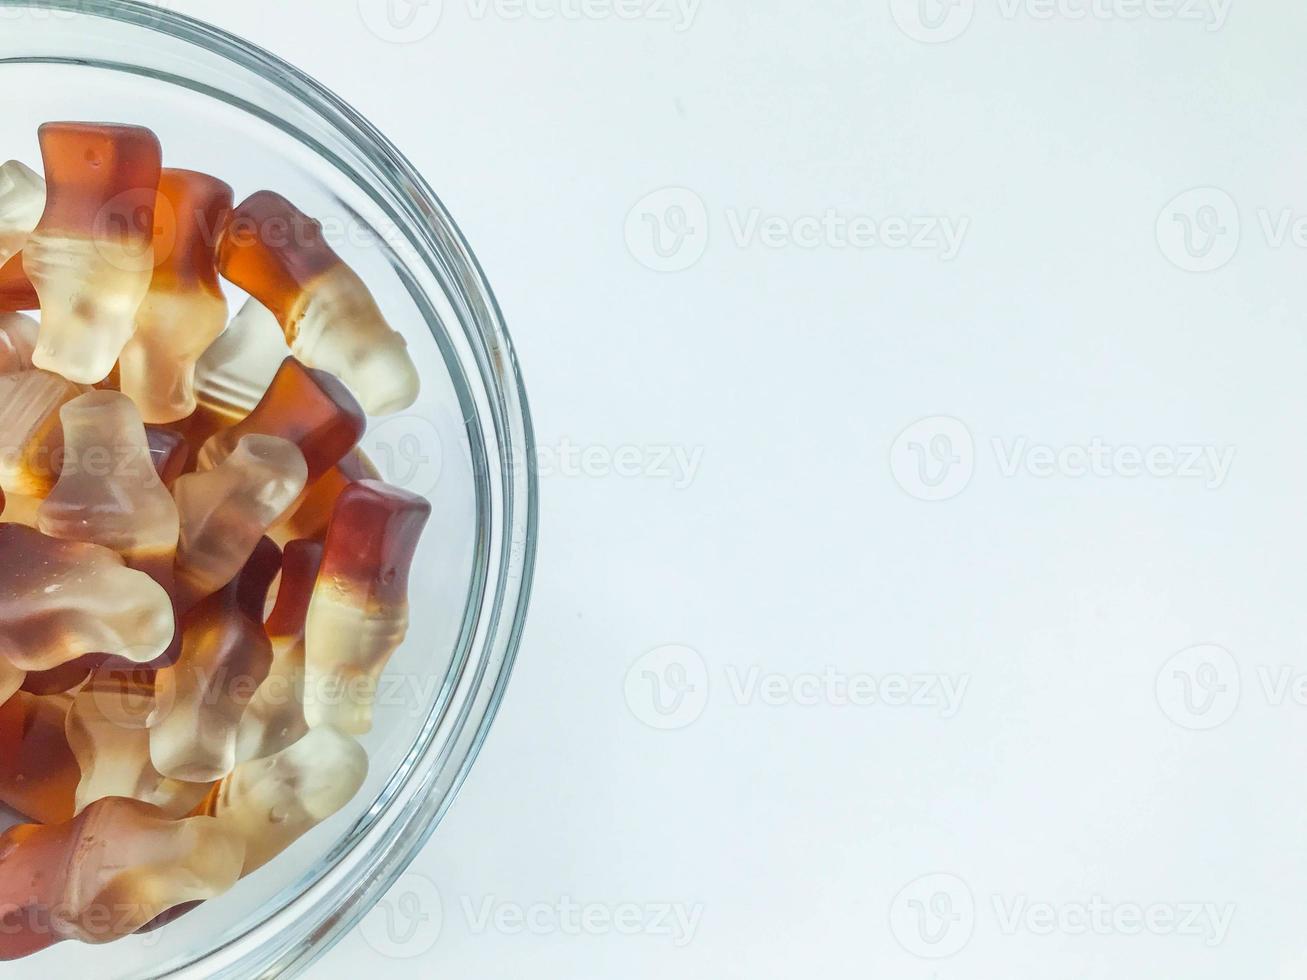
(308, 925)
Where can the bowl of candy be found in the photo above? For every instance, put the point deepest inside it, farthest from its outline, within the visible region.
(268, 504)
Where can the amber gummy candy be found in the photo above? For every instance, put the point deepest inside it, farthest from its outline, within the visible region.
(184, 309)
(16, 290)
(107, 872)
(310, 408)
(30, 432)
(274, 719)
(60, 600)
(359, 612)
(107, 734)
(225, 656)
(38, 772)
(279, 256)
(91, 256)
(313, 513)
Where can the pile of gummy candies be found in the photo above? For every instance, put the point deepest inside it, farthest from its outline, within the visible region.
(201, 577)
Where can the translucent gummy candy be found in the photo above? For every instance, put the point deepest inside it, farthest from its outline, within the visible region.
(237, 368)
(22, 199)
(17, 341)
(225, 657)
(234, 372)
(107, 872)
(109, 492)
(185, 309)
(359, 612)
(107, 733)
(270, 803)
(60, 600)
(279, 256)
(38, 772)
(309, 408)
(274, 718)
(31, 438)
(91, 256)
(226, 510)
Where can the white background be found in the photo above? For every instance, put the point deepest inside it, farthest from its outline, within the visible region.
(1100, 801)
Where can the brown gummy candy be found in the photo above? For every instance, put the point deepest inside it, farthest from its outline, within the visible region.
(310, 408)
(91, 256)
(65, 677)
(38, 771)
(107, 872)
(16, 290)
(313, 513)
(184, 310)
(225, 656)
(60, 600)
(279, 255)
(169, 453)
(274, 718)
(358, 615)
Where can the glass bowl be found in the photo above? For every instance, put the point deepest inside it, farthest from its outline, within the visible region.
(228, 108)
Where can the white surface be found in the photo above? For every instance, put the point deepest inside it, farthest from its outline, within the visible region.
(1071, 774)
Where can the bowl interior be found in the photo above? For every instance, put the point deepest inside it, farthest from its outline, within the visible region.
(431, 449)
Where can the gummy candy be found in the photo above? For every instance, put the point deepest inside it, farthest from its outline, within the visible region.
(270, 803)
(313, 513)
(16, 290)
(107, 734)
(165, 722)
(226, 510)
(184, 310)
(274, 718)
(22, 199)
(38, 772)
(310, 408)
(237, 368)
(31, 438)
(107, 872)
(91, 256)
(109, 492)
(225, 656)
(359, 612)
(168, 452)
(60, 600)
(17, 341)
(279, 256)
